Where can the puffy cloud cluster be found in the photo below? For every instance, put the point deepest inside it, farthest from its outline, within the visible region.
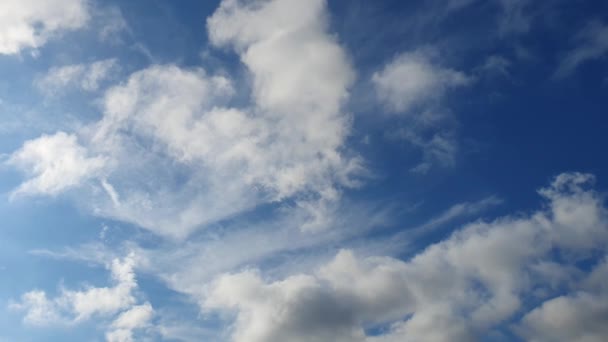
(287, 143)
(464, 288)
(73, 306)
(31, 23)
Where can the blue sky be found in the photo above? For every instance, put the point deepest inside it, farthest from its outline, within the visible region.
(307, 171)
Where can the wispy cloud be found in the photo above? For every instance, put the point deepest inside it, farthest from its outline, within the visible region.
(86, 77)
(591, 43)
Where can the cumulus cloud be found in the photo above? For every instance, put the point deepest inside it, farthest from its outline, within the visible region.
(462, 288)
(412, 80)
(55, 163)
(287, 144)
(74, 306)
(87, 77)
(30, 23)
(592, 43)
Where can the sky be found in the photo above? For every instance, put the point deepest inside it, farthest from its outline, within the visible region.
(303, 171)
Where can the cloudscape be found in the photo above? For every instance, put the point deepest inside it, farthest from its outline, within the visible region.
(303, 170)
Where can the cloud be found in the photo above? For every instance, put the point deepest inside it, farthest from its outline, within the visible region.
(55, 163)
(135, 318)
(175, 125)
(30, 24)
(412, 80)
(413, 87)
(577, 316)
(592, 43)
(114, 24)
(87, 77)
(75, 306)
(462, 288)
(40, 310)
(439, 148)
(496, 65)
(456, 211)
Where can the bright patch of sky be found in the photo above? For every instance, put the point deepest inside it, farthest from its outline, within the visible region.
(303, 171)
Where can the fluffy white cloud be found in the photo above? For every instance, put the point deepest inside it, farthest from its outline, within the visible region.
(74, 306)
(412, 80)
(31, 23)
(461, 288)
(175, 125)
(87, 77)
(301, 78)
(592, 43)
(55, 163)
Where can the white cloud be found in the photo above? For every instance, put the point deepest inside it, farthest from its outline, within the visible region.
(87, 77)
(40, 310)
(461, 288)
(412, 80)
(74, 306)
(55, 163)
(592, 43)
(298, 67)
(414, 87)
(31, 23)
(577, 317)
(287, 144)
(135, 318)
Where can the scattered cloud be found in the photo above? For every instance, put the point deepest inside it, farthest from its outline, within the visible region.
(29, 24)
(245, 194)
